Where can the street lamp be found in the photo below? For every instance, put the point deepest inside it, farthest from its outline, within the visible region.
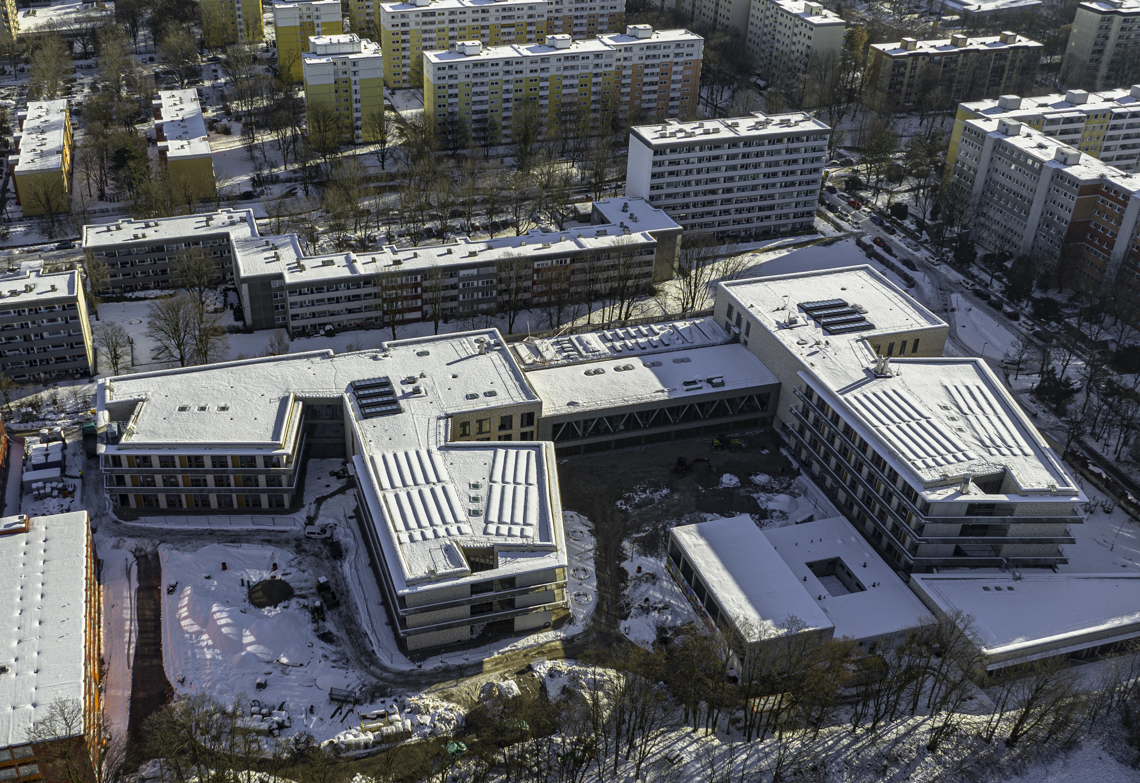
(984, 344)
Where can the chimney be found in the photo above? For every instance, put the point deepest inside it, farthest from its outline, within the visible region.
(964, 487)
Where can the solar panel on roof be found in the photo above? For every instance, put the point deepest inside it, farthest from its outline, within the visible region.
(856, 326)
(376, 397)
(823, 304)
(834, 311)
(843, 319)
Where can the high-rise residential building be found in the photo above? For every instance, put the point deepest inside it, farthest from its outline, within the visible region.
(717, 14)
(345, 76)
(296, 22)
(959, 68)
(41, 166)
(183, 148)
(563, 84)
(44, 331)
(585, 18)
(227, 22)
(631, 245)
(1104, 45)
(1104, 124)
(407, 30)
(9, 18)
(742, 177)
(784, 37)
(1077, 216)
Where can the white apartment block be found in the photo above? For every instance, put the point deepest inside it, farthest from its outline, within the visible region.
(1028, 187)
(1105, 36)
(1104, 124)
(744, 177)
(784, 36)
(718, 14)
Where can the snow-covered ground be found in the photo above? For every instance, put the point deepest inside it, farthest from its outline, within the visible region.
(654, 601)
(215, 641)
(979, 329)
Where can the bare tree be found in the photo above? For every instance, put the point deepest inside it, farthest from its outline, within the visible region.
(45, 195)
(514, 275)
(51, 64)
(195, 272)
(702, 261)
(278, 343)
(211, 343)
(179, 49)
(74, 747)
(114, 343)
(171, 324)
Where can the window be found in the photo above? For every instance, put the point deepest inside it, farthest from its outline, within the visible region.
(174, 501)
(482, 426)
(890, 349)
(902, 348)
(505, 437)
(247, 462)
(914, 347)
(464, 429)
(506, 423)
(527, 419)
(251, 501)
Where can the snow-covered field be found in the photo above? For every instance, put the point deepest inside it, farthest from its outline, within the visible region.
(217, 642)
(654, 601)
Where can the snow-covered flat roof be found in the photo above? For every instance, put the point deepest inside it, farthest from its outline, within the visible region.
(183, 124)
(432, 497)
(1038, 612)
(648, 377)
(777, 303)
(42, 638)
(620, 343)
(42, 137)
(1054, 153)
(989, 6)
(282, 254)
(1058, 104)
(758, 124)
(884, 607)
(326, 48)
(26, 283)
(947, 45)
(635, 213)
(448, 5)
(814, 13)
(65, 15)
(748, 577)
(942, 418)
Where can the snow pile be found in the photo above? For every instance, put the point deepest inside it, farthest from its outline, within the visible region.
(218, 643)
(641, 496)
(729, 480)
(655, 602)
(558, 676)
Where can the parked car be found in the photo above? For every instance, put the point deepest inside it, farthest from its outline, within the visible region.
(982, 294)
(879, 240)
(855, 204)
(831, 189)
(1012, 315)
(890, 229)
(908, 263)
(65, 246)
(878, 221)
(831, 208)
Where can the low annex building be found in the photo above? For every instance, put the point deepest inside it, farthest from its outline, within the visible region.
(460, 503)
(1015, 618)
(48, 580)
(818, 578)
(928, 456)
(645, 384)
(280, 287)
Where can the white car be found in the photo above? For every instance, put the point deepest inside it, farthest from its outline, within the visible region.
(319, 531)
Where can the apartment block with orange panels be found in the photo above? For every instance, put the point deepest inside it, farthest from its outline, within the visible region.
(49, 580)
